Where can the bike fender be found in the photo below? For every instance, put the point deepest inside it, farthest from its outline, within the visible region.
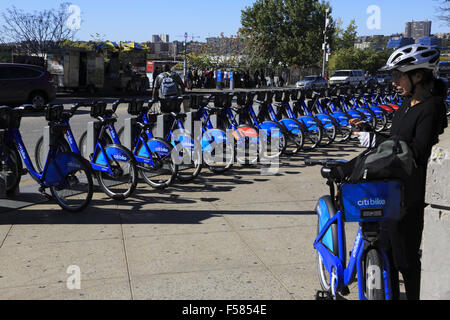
(62, 165)
(291, 125)
(325, 213)
(157, 146)
(342, 118)
(213, 137)
(309, 122)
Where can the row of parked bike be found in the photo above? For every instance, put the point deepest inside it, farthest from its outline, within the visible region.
(229, 125)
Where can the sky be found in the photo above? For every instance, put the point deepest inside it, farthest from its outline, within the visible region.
(135, 20)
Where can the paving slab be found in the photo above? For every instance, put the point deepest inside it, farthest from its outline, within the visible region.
(252, 283)
(47, 264)
(104, 289)
(187, 253)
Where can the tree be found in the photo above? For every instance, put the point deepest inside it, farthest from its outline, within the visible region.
(444, 11)
(35, 33)
(344, 38)
(351, 58)
(286, 32)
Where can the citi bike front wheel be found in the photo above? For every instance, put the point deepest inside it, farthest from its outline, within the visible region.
(122, 182)
(374, 276)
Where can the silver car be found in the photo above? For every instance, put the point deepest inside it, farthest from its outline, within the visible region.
(312, 82)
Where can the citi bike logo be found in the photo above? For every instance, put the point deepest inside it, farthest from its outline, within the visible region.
(159, 149)
(371, 202)
(120, 157)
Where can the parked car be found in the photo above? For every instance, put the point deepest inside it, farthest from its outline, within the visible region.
(384, 78)
(312, 82)
(348, 77)
(23, 83)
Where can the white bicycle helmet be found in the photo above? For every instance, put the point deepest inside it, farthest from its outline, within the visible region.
(411, 57)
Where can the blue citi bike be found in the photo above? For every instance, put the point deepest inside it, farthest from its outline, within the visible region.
(114, 166)
(367, 203)
(66, 174)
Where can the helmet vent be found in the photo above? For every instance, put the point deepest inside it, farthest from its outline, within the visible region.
(406, 61)
(428, 53)
(408, 50)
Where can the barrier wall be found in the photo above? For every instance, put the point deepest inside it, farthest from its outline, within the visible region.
(436, 236)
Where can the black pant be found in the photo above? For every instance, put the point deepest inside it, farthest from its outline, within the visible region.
(403, 247)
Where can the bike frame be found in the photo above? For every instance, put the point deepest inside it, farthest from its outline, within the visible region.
(346, 274)
(15, 136)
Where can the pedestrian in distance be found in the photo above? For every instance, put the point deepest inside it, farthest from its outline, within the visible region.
(168, 84)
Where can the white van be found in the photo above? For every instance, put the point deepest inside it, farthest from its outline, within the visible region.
(348, 77)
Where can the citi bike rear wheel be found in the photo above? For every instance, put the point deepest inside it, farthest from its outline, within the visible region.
(374, 276)
(75, 192)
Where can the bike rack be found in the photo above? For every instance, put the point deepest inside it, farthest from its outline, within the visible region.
(3, 178)
(93, 128)
(128, 133)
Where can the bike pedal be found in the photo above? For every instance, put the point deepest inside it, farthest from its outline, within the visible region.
(323, 295)
(345, 291)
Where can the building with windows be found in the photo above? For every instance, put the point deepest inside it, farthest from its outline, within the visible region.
(417, 29)
(160, 38)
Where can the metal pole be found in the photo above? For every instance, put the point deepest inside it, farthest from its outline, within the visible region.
(324, 46)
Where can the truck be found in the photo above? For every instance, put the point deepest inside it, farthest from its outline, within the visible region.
(76, 69)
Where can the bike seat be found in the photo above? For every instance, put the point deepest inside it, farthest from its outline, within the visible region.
(179, 116)
(213, 109)
(238, 110)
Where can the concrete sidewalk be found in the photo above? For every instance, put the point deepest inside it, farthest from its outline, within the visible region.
(238, 236)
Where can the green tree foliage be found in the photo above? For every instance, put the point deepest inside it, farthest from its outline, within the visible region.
(352, 58)
(286, 32)
(344, 38)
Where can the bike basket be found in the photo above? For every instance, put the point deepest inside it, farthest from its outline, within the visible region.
(54, 113)
(135, 107)
(98, 109)
(372, 201)
(5, 117)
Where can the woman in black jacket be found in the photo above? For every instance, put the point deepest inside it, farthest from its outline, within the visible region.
(419, 122)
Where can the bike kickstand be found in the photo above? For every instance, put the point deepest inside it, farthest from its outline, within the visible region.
(45, 194)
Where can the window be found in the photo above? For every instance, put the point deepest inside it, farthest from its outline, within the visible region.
(15, 72)
(342, 74)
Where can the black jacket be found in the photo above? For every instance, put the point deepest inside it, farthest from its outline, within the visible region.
(419, 126)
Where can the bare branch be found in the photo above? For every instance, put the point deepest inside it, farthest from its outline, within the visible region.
(37, 32)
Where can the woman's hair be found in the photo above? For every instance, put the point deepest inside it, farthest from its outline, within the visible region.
(437, 87)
